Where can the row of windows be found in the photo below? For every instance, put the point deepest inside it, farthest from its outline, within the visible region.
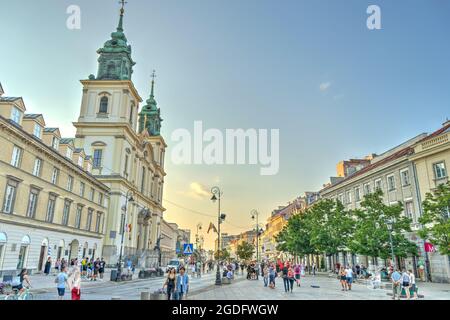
(37, 171)
(33, 198)
(439, 170)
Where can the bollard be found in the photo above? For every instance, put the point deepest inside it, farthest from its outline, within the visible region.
(145, 295)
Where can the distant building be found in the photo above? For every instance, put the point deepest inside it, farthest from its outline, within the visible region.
(346, 168)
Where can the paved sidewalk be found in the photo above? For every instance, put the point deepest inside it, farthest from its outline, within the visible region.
(330, 289)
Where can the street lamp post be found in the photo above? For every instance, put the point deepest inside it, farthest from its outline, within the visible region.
(216, 195)
(199, 227)
(129, 198)
(390, 226)
(255, 215)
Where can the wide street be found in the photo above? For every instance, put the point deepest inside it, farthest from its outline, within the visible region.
(325, 288)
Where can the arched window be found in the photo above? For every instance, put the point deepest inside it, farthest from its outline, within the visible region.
(3, 237)
(26, 240)
(103, 105)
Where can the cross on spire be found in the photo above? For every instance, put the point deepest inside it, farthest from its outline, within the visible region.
(153, 81)
(123, 3)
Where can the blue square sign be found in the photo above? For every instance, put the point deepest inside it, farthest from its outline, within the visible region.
(188, 248)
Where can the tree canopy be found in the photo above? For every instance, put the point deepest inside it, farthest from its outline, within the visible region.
(436, 218)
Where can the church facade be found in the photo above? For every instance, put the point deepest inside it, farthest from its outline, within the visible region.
(128, 153)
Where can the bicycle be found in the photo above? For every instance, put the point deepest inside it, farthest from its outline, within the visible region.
(26, 295)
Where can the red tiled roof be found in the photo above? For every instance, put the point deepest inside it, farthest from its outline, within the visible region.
(437, 132)
(392, 157)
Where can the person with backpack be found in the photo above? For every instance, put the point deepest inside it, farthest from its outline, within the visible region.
(406, 283)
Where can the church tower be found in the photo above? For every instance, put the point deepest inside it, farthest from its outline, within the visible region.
(150, 116)
(128, 161)
(115, 62)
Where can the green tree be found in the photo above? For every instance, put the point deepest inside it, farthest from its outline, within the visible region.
(371, 236)
(245, 251)
(224, 255)
(435, 218)
(295, 237)
(331, 227)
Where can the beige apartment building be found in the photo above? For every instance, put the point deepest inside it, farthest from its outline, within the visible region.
(51, 204)
(431, 161)
(404, 174)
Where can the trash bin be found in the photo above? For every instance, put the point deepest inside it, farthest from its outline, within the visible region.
(113, 275)
(145, 295)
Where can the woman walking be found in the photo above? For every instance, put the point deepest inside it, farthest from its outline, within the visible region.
(75, 284)
(57, 266)
(266, 276)
(291, 278)
(284, 275)
(48, 266)
(297, 271)
(343, 278)
(171, 283)
(272, 275)
(412, 279)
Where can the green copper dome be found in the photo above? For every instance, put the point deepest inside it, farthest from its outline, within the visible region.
(150, 115)
(115, 62)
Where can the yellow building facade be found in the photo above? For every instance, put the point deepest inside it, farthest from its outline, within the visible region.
(51, 204)
(431, 160)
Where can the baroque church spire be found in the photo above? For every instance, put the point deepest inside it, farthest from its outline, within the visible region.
(115, 62)
(150, 115)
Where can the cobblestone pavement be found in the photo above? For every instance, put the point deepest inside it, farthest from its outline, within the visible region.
(329, 289)
(241, 289)
(130, 290)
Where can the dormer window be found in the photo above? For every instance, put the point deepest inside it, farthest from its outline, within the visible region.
(37, 131)
(69, 153)
(16, 115)
(55, 143)
(103, 105)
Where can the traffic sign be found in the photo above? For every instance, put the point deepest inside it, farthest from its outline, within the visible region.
(188, 248)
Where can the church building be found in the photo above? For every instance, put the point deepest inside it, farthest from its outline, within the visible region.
(127, 152)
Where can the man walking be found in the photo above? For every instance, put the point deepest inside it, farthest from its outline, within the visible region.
(102, 268)
(182, 284)
(61, 281)
(349, 277)
(396, 288)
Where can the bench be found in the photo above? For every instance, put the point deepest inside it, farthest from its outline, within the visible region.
(225, 280)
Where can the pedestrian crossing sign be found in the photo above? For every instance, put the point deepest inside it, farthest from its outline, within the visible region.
(188, 248)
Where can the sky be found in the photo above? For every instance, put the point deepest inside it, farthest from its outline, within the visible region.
(312, 69)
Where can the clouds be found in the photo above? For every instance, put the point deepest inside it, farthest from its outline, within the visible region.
(197, 191)
(324, 86)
